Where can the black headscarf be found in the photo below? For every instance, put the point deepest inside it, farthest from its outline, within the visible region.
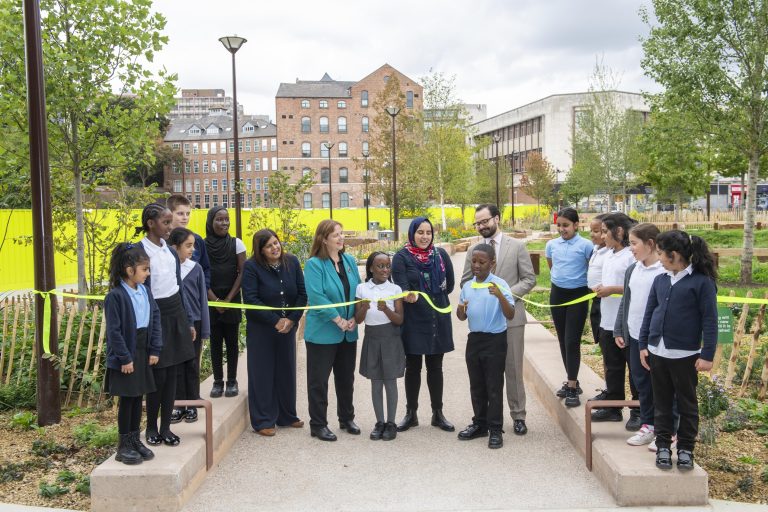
(219, 247)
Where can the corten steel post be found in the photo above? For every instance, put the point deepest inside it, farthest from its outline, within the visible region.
(512, 190)
(393, 111)
(233, 43)
(328, 147)
(48, 400)
(365, 173)
(496, 140)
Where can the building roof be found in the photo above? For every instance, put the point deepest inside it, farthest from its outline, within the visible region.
(179, 128)
(326, 87)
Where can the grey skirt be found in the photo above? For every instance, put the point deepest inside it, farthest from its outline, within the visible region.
(382, 355)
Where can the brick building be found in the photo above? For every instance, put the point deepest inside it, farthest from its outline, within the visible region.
(195, 103)
(208, 146)
(313, 113)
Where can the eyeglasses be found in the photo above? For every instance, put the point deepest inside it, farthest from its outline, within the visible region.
(483, 222)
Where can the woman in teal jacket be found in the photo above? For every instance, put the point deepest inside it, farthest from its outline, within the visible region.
(330, 277)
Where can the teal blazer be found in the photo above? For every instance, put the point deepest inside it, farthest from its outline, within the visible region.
(324, 287)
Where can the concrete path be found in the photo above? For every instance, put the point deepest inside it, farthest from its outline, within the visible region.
(423, 469)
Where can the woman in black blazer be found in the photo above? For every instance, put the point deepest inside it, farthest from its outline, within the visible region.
(420, 266)
(272, 278)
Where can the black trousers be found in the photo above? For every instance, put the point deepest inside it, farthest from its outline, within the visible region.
(615, 362)
(486, 357)
(229, 335)
(569, 324)
(434, 363)
(162, 399)
(594, 319)
(675, 379)
(188, 376)
(321, 359)
(129, 414)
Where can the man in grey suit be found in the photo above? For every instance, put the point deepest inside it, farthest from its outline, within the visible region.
(513, 264)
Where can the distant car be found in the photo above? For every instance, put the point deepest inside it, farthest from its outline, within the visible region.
(668, 207)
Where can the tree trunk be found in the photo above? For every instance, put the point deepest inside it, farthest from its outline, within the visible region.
(749, 217)
(82, 286)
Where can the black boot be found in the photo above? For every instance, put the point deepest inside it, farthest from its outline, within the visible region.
(438, 420)
(232, 389)
(409, 420)
(125, 451)
(217, 389)
(146, 453)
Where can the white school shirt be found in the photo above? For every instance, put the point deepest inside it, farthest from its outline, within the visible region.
(239, 246)
(640, 283)
(614, 269)
(162, 268)
(595, 269)
(374, 292)
(661, 350)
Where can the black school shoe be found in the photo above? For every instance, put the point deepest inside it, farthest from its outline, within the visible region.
(473, 431)
(232, 389)
(217, 389)
(563, 391)
(664, 458)
(191, 415)
(684, 460)
(390, 432)
(607, 415)
(634, 422)
(178, 414)
(495, 440)
(520, 429)
(377, 431)
(572, 397)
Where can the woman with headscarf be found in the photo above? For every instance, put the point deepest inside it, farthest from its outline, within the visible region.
(227, 258)
(422, 267)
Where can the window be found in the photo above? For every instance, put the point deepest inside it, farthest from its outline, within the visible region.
(206, 186)
(187, 166)
(195, 149)
(264, 144)
(205, 148)
(307, 200)
(213, 148)
(248, 146)
(239, 146)
(343, 175)
(266, 186)
(273, 144)
(225, 200)
(248, 183)
(325, 175)
(365, 124)
(256, 164)
(323, 104)
(249, 128)
(188, 186)
(304, 103)
(215, 186)
(409, 99)
(222, 147)
(197, 186)
(248, 165)
(305, 171)
(197, 200)
(363, 98)
(177, 186)
(175, 167)
(306, 125)
(344, 200)
(265, 164)
(213, 165)
(256, 146)
(223, 185)
(194, 130)
(274, 163)
(206, 201)
(386, 78)
(196, 167)
(212, 129)
(205, 166)
(306, 150)
(176, 146)
(257, 184)
(326, 200)
(231, 146)
(324, 149)
(223, 166)
(341, 104)
(342, 149)
(323, 124)
(342, 124)
(186, 148)
(365, 147)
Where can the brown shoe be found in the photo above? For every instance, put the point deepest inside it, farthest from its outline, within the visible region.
(269, 432)
(297, 424)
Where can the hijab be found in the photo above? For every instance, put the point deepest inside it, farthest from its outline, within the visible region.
(428, 260)
(219, 247)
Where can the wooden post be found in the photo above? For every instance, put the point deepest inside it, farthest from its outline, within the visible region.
(73, 368)
(13, 342)
(99, 345)
(94, 319)
(737, 344)
(753, 349)
(25, 333)
(4, 342)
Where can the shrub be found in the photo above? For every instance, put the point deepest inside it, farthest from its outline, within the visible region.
(84, 485)
(46, 447)
(66, 477)
(746, 484)
(17, 396)
(25, 420)
(748, 459)
(735, 419)
(94, 436)
(764, 475)
(47, 490)
(12, 472)
(713, 399)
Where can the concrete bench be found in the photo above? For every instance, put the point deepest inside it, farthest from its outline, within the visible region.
(602, 404)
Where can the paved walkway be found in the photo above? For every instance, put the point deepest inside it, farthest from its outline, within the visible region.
(423, 469)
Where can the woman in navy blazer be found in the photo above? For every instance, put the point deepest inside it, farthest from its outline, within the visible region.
(272, 278)
(330, 277)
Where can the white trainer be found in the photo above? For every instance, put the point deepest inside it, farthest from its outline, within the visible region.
(643, 436)
(652, 446)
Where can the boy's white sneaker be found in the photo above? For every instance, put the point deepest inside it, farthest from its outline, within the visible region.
(643, 436)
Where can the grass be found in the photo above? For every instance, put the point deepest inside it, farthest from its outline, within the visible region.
(730, 238)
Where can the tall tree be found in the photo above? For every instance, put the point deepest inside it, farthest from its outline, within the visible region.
(445, 157)
(101, 99)
(605, 156)
(539, 180)
(711, 57)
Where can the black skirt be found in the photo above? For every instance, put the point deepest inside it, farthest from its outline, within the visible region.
(177, 337)
(382, 355)
(138, 383)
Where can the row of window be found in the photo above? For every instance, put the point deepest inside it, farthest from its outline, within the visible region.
(249, 200)
(257, 165)
(363, 101)
(325, 200)
(521, 129)
(341, 124)
(213, 185)
(343, 149)
(195, 148)
(213, 129)
(325, 175)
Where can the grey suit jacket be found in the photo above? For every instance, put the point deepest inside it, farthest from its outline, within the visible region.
(513, 264)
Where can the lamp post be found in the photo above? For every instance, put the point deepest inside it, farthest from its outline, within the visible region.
(365, 175)
(233, 43)
(512, 188)
(496, 140)
(328, 146)
(393, 111)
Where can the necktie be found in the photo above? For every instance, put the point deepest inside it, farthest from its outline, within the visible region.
(493, 244)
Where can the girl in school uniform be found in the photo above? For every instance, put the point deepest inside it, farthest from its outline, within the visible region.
(382, 359)
(615, 229)
(595, 272)
(568, 260)
(226, 255)
(680, 314)
(195, 293)
(637, 284)
(177, 328)
(134, 342)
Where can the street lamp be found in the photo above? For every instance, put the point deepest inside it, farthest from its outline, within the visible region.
(328, 146)
(233, 43)
(393, 111)
(365, 175)
(496, 140)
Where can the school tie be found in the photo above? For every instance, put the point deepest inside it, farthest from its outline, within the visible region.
(493, 244)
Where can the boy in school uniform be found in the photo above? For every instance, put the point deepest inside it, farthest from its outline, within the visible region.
(487, 303)
(181, 208)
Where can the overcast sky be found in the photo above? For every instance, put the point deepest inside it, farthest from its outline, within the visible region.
(503, 53)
